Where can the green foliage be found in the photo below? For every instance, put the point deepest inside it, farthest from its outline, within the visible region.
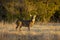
(23, 8)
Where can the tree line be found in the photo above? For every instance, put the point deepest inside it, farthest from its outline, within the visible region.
(46, 10)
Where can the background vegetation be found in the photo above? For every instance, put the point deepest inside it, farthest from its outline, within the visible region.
(46, 10)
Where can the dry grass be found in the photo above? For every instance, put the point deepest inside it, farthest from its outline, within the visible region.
(38, 32)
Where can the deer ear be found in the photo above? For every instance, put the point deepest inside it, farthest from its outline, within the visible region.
(35, 15)
(30, 15)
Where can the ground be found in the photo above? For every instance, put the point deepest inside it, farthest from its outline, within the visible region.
(50, 31)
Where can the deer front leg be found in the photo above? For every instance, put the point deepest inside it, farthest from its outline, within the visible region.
(29, 28)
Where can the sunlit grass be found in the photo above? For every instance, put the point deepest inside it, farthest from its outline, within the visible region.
(37, 32)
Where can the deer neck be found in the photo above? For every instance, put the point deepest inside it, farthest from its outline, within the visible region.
(33, 19)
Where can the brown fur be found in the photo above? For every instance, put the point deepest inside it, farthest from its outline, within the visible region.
(26, 23)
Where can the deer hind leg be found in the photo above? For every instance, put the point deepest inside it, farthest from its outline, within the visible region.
(17, 26)
(20, 27)
(20, 24)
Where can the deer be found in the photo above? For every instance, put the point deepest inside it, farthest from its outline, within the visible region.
(25, 23)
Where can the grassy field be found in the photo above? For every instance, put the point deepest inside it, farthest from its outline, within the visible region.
(50, 31)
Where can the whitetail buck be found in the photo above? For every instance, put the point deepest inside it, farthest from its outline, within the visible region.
(26, 23)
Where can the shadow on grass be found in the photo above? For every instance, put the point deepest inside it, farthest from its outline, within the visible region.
(43, 36)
